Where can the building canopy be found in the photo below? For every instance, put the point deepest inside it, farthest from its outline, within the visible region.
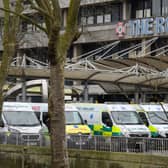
(143, 70)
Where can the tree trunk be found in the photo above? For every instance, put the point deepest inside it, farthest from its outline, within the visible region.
(11, 28)
(57, 117)
(9, 51)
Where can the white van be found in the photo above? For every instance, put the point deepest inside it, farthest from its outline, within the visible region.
(113, 120)
(20, 124)
(155, 118)
(75, 125)
(74, 122)
(127, 119)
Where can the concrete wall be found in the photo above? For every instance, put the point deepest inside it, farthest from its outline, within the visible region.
(35, 157)
(93, 159)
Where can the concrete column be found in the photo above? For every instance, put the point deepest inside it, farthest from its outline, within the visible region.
(76, 52)
(23, 89)
(145, 48)
(86, 92)
(64, 17)
(143, 97)
(136, 97)
(124, 10)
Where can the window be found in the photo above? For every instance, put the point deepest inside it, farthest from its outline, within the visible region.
(100, 14)
(159, 7)
(164, 7)
(144, 118)
(156, 10)
(24, 26)
(141, 8)
(158, 117)
(126, 117)
(108, 14)
(106, 119)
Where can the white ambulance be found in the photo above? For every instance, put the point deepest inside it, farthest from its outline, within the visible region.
(75, 125)
(19, 125)
(113, 120)
(127, 119)
(155, 117)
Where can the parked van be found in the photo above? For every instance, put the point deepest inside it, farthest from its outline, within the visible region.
(154, 116)
(74, 122)
(127, 119)
(165, 107)
(113, 120)
(19, 125)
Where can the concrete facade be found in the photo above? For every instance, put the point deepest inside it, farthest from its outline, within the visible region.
(102, 22)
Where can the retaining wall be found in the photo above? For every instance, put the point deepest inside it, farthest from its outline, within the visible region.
(36, 157)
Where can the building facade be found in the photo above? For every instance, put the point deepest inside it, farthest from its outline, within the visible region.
(102, 22)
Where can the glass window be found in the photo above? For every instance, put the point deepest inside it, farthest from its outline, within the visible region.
(21, 118)
(90, 20)
(158, 117)
(144, 118)
(108, 14)
(139, 13)
(107, 18)
(99, 19)
(159, 7)
(83, 20)
(73, 117)
(141, 8)
(156, 7)
(106, 119)
(100, 14)
(116, 13)
(164, 7)
(24, 26)
(126, 117)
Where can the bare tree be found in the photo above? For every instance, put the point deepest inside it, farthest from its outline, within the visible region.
(57, 51)
(9, 38)
(58, 45)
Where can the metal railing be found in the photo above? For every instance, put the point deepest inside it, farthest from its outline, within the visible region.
(97, 143)
(119, 144)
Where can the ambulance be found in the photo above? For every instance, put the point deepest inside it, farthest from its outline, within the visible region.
(165, 107)
(113, 120)
(75, 125)
(19, 125)
(155, 118)
(127, 119)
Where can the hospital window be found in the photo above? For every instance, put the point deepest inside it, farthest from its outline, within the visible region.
(100, 14)
(159, 7)
(141, 9)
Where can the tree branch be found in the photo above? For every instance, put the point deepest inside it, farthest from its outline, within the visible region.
(56, 11)
(71, 29)
(24, 17)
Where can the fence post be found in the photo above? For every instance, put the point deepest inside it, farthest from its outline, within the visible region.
(127, 150)
(24, 150)
(80, 141)
(110, 144)
(95, 142)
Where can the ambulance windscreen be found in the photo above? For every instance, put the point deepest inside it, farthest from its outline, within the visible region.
(126, 117)
(158, 117)
(73, 118)
(21, 118)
